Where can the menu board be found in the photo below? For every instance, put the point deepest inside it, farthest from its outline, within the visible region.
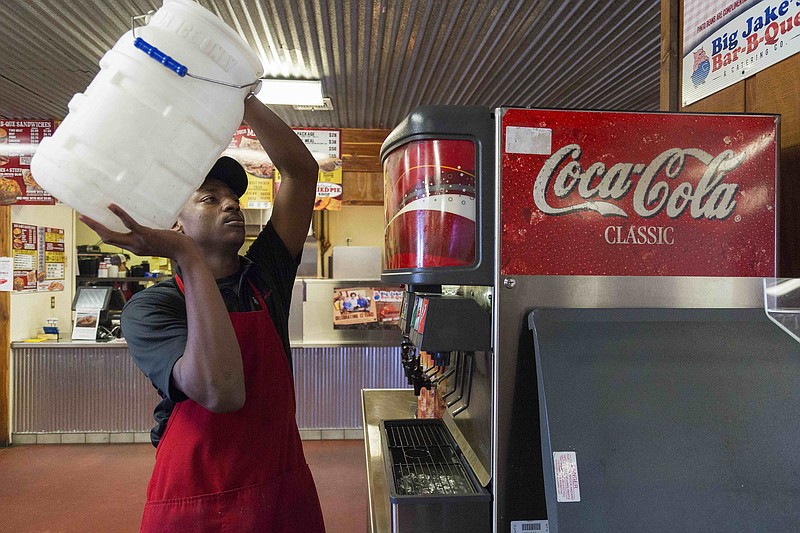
(25, 254)
(18, 139)
(247, 150)
(38, 258)
(325, 145)
(51, 260)
(264, 179)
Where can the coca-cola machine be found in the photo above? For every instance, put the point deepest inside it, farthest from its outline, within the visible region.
(584, 302)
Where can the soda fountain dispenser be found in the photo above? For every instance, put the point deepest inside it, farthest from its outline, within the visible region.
(591, 285)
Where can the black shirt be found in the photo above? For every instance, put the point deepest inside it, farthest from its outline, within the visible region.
(155, 326)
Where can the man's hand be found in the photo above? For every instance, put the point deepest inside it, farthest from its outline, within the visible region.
(142, 240)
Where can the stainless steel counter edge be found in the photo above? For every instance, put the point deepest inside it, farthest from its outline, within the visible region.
(378, 405)
(67, 343)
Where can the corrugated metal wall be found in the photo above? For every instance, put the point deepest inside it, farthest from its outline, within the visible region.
(377, 59)
(328, 382)
(99, 389)
(80, 390)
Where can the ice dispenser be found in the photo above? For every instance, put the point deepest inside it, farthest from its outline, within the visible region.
(438, 197)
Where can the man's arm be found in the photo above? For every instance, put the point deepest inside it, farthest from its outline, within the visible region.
(210, 370)
(294, 203)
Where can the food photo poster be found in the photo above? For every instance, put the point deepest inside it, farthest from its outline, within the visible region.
(86, 322)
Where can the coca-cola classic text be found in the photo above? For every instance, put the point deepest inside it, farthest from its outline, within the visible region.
(656, 189)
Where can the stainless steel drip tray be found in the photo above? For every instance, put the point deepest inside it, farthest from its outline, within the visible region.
(431, 486)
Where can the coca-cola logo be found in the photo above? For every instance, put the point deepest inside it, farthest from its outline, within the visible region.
(600, 188)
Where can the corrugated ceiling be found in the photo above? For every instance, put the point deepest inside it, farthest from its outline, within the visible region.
(377, 60)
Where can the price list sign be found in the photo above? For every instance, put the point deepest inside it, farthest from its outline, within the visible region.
(263, 177)
(321, 142)
(52, 260)
(325, 145)
(18, 139)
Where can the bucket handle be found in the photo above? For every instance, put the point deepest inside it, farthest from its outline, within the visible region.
(172, 64)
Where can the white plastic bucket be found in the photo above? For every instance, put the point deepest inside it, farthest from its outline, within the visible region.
(141, 136)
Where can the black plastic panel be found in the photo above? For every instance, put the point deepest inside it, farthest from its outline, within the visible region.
(680, 419)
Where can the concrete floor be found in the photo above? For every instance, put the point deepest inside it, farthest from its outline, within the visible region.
(64, 488)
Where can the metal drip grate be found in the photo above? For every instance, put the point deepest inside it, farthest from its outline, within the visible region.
(424, 460)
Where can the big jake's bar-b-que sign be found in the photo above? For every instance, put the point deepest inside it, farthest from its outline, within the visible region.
(638, 194)
(726, 41)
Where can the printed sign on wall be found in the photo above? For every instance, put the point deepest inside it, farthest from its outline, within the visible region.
(25, 251)
(366, 307)
(18, 138)
(638, 194)
(264, 179)
(326, 146)
(245, 148)
(726, 41)
(52, 260)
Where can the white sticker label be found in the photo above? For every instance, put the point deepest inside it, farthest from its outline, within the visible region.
(568, 488)
(530, 526)
(532, 141)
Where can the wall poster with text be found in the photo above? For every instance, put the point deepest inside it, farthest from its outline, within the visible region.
(726, 41)
(366, 307)
(51, 260)
(25, 254)
(18, 139)
(264, 179)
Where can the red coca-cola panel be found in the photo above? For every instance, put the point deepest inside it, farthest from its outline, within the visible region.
(429, 193)
(638, 194)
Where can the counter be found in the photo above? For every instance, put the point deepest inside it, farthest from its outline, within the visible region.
(378, 405)
(78, 388)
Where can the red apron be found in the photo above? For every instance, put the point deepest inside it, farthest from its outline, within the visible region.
(243, 471)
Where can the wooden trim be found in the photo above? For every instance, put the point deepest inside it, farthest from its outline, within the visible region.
(361, 149)
(727, 100)
(671, 51)
(362, 188)
(5, 334)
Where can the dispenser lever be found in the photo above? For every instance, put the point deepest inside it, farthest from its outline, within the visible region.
(456, 371)
(459, 382)
(468, 385)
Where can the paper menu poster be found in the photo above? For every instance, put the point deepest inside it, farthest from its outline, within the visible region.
(6, 274)
(25, 254)
(51, 260)
(86, 322)
(18, 138)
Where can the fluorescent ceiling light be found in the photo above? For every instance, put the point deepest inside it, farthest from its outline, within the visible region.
(291, 92)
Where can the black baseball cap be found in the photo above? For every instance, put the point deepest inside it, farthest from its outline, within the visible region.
(230, 172)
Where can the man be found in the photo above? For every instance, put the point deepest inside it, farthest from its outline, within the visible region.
(214, 342)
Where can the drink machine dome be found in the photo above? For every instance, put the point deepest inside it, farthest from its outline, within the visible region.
(438, 169)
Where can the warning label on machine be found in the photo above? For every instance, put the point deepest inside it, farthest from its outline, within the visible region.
(568, 488)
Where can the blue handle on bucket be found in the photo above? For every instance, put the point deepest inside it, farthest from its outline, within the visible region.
(160, 56)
